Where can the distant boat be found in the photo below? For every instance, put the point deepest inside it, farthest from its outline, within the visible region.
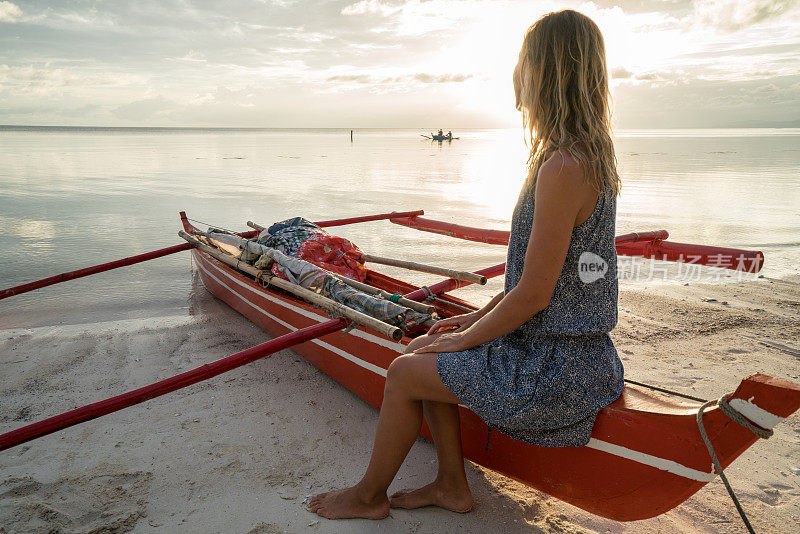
(436, 137)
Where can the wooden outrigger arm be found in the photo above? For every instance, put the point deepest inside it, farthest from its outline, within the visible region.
(642, 244)
(80, 273)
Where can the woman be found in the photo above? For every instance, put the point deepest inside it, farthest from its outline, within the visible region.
(537, 362)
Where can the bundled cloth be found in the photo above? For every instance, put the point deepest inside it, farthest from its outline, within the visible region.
(283, 250)
(297, 271)
(382, 309)
(245, 250)
(330, 285)
(301, 238)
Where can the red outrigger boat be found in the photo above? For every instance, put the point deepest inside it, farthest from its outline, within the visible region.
(646, 454)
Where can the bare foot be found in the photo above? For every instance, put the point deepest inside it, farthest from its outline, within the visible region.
(347, 503)
(454, 497)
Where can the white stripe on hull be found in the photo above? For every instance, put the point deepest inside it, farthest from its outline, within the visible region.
(397, 347)
(604, 446)
(755, 413)
(346, 355)
(653, 461)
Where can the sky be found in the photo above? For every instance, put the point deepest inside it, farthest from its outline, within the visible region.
(383, 63)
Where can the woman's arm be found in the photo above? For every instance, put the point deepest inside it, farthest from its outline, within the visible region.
(490, 305)
(461, 322)
(562, 196)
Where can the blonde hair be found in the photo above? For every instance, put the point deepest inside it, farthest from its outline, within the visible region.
(562, 89)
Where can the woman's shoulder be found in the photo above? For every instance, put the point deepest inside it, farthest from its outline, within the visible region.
(563, 170)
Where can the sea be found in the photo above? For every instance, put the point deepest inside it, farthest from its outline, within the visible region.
(76, 197)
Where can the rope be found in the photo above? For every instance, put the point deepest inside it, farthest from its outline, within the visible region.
(430, 296)
(669, 391)
(763, 433)
(260, 278)
(420, 318)
(740, 419)
(395, 298)
(349, 327)
(213, 226)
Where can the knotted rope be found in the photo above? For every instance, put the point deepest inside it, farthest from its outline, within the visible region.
(737, 417)
(264, 276)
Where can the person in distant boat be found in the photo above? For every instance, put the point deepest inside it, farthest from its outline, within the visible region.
(440, 134)
(536, 363)
(449, 135)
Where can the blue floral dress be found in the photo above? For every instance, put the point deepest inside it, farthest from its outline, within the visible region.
(544, 382)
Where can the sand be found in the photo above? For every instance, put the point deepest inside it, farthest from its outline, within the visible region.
(240, 452)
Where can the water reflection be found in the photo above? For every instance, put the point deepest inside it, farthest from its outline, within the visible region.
(72, 198)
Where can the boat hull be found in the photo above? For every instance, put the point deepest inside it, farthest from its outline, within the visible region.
(645, 456)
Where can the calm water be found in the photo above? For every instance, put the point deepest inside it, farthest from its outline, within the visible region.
(70, 198)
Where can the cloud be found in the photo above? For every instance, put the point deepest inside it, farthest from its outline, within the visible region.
(192, 56)
(354, 78)
(442, 78)
(737, 14)
(649, 76)
(80, 111)
(378, 62)
(422, 17)
(369, 6)
(44, 80)
(144, 109)
(9, 12)
(697, 103)
(620, 73)
(421, 77)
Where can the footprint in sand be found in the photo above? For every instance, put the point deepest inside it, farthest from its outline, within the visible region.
(101, 500)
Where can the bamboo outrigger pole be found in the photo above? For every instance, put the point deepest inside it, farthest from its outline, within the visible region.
(198, 374)
(80, 273)
(413, 266)
(421, 267)
(451, 283)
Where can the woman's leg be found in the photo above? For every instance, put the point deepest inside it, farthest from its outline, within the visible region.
(411, 378)
(422, 341)
(450, 490)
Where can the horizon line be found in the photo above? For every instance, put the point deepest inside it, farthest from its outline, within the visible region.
(354, 128)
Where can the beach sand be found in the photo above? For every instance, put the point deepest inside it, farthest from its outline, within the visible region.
(240, 452)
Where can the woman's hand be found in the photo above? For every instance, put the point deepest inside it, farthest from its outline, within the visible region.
(447, 342)
(457, 323)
